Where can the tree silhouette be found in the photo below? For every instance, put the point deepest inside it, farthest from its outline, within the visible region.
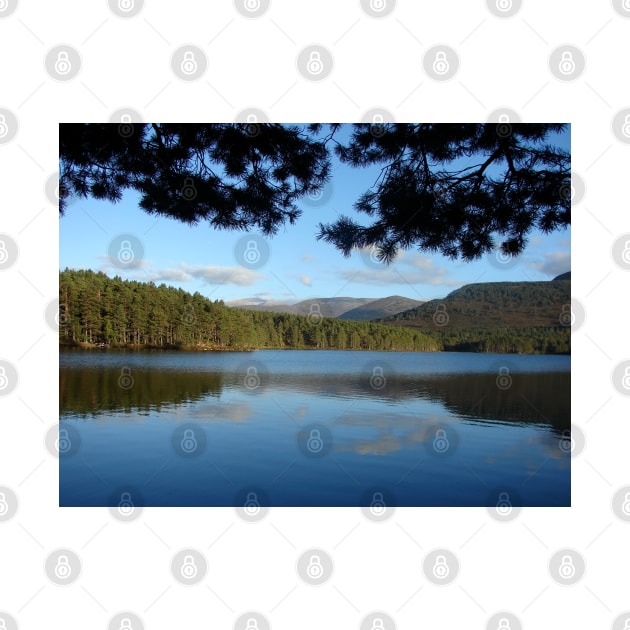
(450, 188)
(506, 181)
(236, 176)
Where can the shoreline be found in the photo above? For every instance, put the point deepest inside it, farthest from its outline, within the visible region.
(143, 348)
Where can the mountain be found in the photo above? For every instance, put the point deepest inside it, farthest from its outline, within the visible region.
(497, 317)
(358, 309)
(492, 305)
(563, 276)
(376, 309)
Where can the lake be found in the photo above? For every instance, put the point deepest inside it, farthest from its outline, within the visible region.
(313, 428)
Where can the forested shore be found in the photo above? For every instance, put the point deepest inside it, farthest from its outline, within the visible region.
(96, 311)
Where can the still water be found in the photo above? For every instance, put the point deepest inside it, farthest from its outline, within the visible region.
(313, 428)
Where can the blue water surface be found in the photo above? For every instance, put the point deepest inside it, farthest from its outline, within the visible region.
(314, 428)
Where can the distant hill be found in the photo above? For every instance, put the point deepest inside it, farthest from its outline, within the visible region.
(358, 309)
(503, 317)
(385, 307)
(563, 276)
(327, 307)
(492, 305)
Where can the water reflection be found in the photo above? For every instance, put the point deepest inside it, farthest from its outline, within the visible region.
(90, 391)
(532, 398)
(307, 428)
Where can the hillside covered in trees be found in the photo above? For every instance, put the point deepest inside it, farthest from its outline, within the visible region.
(95, 310)
(502, 317)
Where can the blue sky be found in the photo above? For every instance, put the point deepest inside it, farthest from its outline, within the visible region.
(298, 267)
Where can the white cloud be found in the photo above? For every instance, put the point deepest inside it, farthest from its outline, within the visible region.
(553, 263)
(408, 268)
(390, 276)
(169, 275)
(305, 280)
(240, 276)
(418, 262)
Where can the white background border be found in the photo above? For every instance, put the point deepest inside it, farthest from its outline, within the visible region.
(251, 62)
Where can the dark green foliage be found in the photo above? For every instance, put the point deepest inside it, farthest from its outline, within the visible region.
(97, 310)
(531, 340)
(502, 317)
(449, 188)
(512, 181)
(236, 176)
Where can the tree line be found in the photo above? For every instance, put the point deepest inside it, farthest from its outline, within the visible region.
(96, 310)
(497, 317)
